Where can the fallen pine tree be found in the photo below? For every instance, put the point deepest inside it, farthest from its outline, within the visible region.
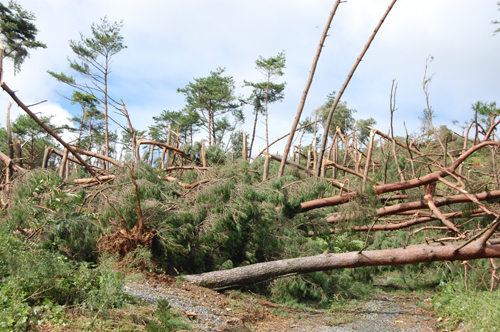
(251, 274)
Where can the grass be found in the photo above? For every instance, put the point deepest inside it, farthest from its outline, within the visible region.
(478, 310)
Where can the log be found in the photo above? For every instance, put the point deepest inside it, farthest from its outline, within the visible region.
(251, 274)
(97, 155)
(7, 161)
(175, 168)
(432, 177)
(407, 208)
(187, 185)
(292, 164)
(99, 179)
(163, 145)
(401, 225)
(393, 209)
(329, 201)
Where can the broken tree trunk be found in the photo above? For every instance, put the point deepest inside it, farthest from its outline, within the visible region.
(434, 176)
(251, 274)
(44, 126)
(306, 88)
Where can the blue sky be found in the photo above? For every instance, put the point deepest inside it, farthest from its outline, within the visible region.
(172, 42)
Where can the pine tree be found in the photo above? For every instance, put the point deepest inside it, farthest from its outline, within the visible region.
(213, 97)
(266, 92)
(94, 56)
(18, 33)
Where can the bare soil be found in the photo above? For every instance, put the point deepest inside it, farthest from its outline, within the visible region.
(209, 310)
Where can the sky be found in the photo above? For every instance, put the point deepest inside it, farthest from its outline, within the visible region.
(169, 43)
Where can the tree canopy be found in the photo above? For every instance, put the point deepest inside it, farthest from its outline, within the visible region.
(18, 33)
(213, 97)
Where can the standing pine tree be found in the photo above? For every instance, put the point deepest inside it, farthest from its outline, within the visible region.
(212, 97)
(94, 56)
(266, 91)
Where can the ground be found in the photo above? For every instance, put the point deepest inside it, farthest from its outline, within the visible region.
(209, 310)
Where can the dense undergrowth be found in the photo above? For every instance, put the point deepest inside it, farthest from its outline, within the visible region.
(50, 262)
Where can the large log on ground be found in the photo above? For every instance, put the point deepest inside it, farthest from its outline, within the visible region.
(255, 273)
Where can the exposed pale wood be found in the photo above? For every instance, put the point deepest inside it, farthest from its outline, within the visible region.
(94, 180)
(265, 173)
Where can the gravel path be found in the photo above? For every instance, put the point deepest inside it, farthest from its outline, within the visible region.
(212, 311)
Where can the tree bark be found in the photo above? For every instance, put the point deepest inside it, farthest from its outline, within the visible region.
(348, 79)
(255, 273)
(306, 89)
(432, 177)
(97, 155)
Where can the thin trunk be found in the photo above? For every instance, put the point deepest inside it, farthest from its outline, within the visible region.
(244, 152)
(306, 89)
(163, 153)
(253, 133)
(9, 133)
(344, 86)
(63, 164)
(315, 151)
(151, 152)
(10, 144)
(19, 152)
(368, 158)
(308, 165)
(265, 173)
(169, 138)
(267, 116)
(66, 170)
(106, 137)
(46, 155)
(203, 156)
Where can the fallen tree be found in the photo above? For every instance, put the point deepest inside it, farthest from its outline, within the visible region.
(251, 274)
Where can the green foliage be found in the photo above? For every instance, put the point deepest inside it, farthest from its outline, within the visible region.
(18, 33)
(266, 91)
(25, 129)
(36, 284)
(212, 97)
(496, 22)
(167, 319)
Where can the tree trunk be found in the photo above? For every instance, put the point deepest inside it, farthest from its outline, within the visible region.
(253, 134)
(348, 79)
(251, 274)
(306, 89)
(244, 152)
(44, 126)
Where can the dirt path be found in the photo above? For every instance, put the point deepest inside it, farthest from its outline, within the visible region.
(233, 311)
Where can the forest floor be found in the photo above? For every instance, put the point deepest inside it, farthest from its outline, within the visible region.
(209, 310)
